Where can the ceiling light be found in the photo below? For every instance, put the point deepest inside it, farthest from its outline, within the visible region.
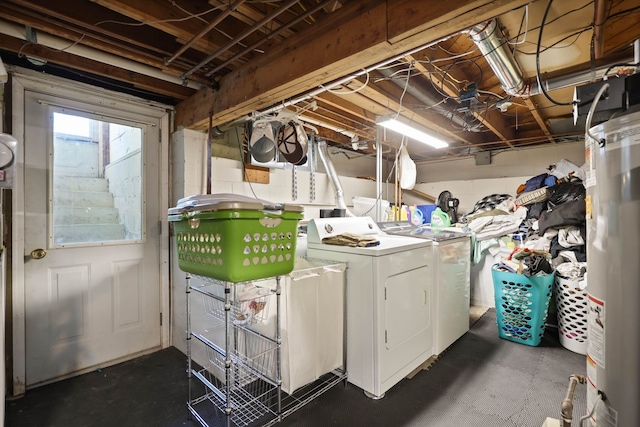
(412, 133)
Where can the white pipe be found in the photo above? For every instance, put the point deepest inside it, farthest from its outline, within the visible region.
(333, 176)
(636, 51)
(58, 43)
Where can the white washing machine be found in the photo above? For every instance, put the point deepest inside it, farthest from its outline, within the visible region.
(451, 272)
(389, 301)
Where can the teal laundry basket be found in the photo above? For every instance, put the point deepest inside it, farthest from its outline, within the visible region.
(522, 305)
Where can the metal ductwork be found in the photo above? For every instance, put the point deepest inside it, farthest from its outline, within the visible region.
(424, 97)
(333, 176)
(492, 42)
(493, 45)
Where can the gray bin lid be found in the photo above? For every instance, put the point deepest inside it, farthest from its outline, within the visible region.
(228, 201)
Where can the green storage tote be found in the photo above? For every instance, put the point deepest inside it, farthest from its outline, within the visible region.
(235, 238)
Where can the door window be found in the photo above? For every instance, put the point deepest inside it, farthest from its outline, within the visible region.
(96, 195)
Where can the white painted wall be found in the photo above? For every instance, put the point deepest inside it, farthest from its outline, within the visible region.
(521, 162)
(188, 160)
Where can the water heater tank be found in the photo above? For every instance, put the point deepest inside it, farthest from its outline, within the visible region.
(613, 239)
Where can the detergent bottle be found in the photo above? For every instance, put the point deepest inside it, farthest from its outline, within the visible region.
(439, 220)
(416, 217)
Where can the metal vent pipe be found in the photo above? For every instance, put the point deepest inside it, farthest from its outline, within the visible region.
(492, 42)
(493, 45)
(333, 176)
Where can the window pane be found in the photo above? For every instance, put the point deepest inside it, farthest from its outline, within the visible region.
(97, 181)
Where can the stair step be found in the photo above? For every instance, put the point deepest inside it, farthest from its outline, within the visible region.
(85, 215)
(73, 183)
(88, 233)
(83, 199)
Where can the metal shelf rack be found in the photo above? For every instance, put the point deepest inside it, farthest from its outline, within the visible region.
(236, 379)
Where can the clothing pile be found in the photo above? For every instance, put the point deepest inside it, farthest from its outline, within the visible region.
(547, 215)
(527, 262)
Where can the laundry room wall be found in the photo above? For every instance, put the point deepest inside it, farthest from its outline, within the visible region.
(188, 166)
(508, 169)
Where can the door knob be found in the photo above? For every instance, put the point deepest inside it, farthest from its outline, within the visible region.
(38, 253)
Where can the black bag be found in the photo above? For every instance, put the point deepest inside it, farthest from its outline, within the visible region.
(565, 192)
(569, 213)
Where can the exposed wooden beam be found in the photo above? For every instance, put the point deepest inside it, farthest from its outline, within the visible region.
(339, 103)
(538, 118)
(250, 16)
(163, 16)
(58, 11)
(362, 35)
(492, 119)
(95, 41)
(385, 93)
(138, 80)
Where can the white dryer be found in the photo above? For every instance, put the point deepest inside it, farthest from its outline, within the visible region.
(452, 278)
(389, 301)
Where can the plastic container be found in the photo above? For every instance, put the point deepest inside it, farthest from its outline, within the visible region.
(416, 217)
(522, 305)
(311, 321)
(426, 210)
(440, 219)
(235, 238)
(365, 206)
(571, 304)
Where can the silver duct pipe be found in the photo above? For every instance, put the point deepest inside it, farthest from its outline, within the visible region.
(492, 42)
(333, 176)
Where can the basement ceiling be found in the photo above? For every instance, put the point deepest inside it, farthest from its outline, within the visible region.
(340, 65)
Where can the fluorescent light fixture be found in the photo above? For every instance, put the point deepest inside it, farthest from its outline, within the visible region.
(412, 133)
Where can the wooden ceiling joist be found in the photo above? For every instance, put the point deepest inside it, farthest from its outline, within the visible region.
(138, 80)
(362, 35)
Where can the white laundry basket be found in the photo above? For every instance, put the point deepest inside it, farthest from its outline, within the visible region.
(571, 302)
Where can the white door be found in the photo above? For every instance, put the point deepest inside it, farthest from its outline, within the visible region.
(91, 237)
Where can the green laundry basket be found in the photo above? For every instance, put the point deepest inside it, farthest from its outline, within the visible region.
(522, 305)
(235, 240)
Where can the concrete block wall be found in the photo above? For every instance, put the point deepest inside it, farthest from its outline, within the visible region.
(76, 157)
(123, 140)
(125, 184)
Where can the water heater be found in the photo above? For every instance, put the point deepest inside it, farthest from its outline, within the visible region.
(613, 239)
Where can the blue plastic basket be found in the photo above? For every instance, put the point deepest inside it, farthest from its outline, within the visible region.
(522, 305)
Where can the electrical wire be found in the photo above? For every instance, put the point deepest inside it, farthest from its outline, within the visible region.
(525, 19)
(347, 92)
(241, 144)
(623, 12)
(543, 90)
(554, 45)
(593, 410)
(606, 73)
(559, 17)
(404, 91)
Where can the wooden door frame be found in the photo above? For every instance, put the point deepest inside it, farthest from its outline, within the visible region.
(27, 80)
